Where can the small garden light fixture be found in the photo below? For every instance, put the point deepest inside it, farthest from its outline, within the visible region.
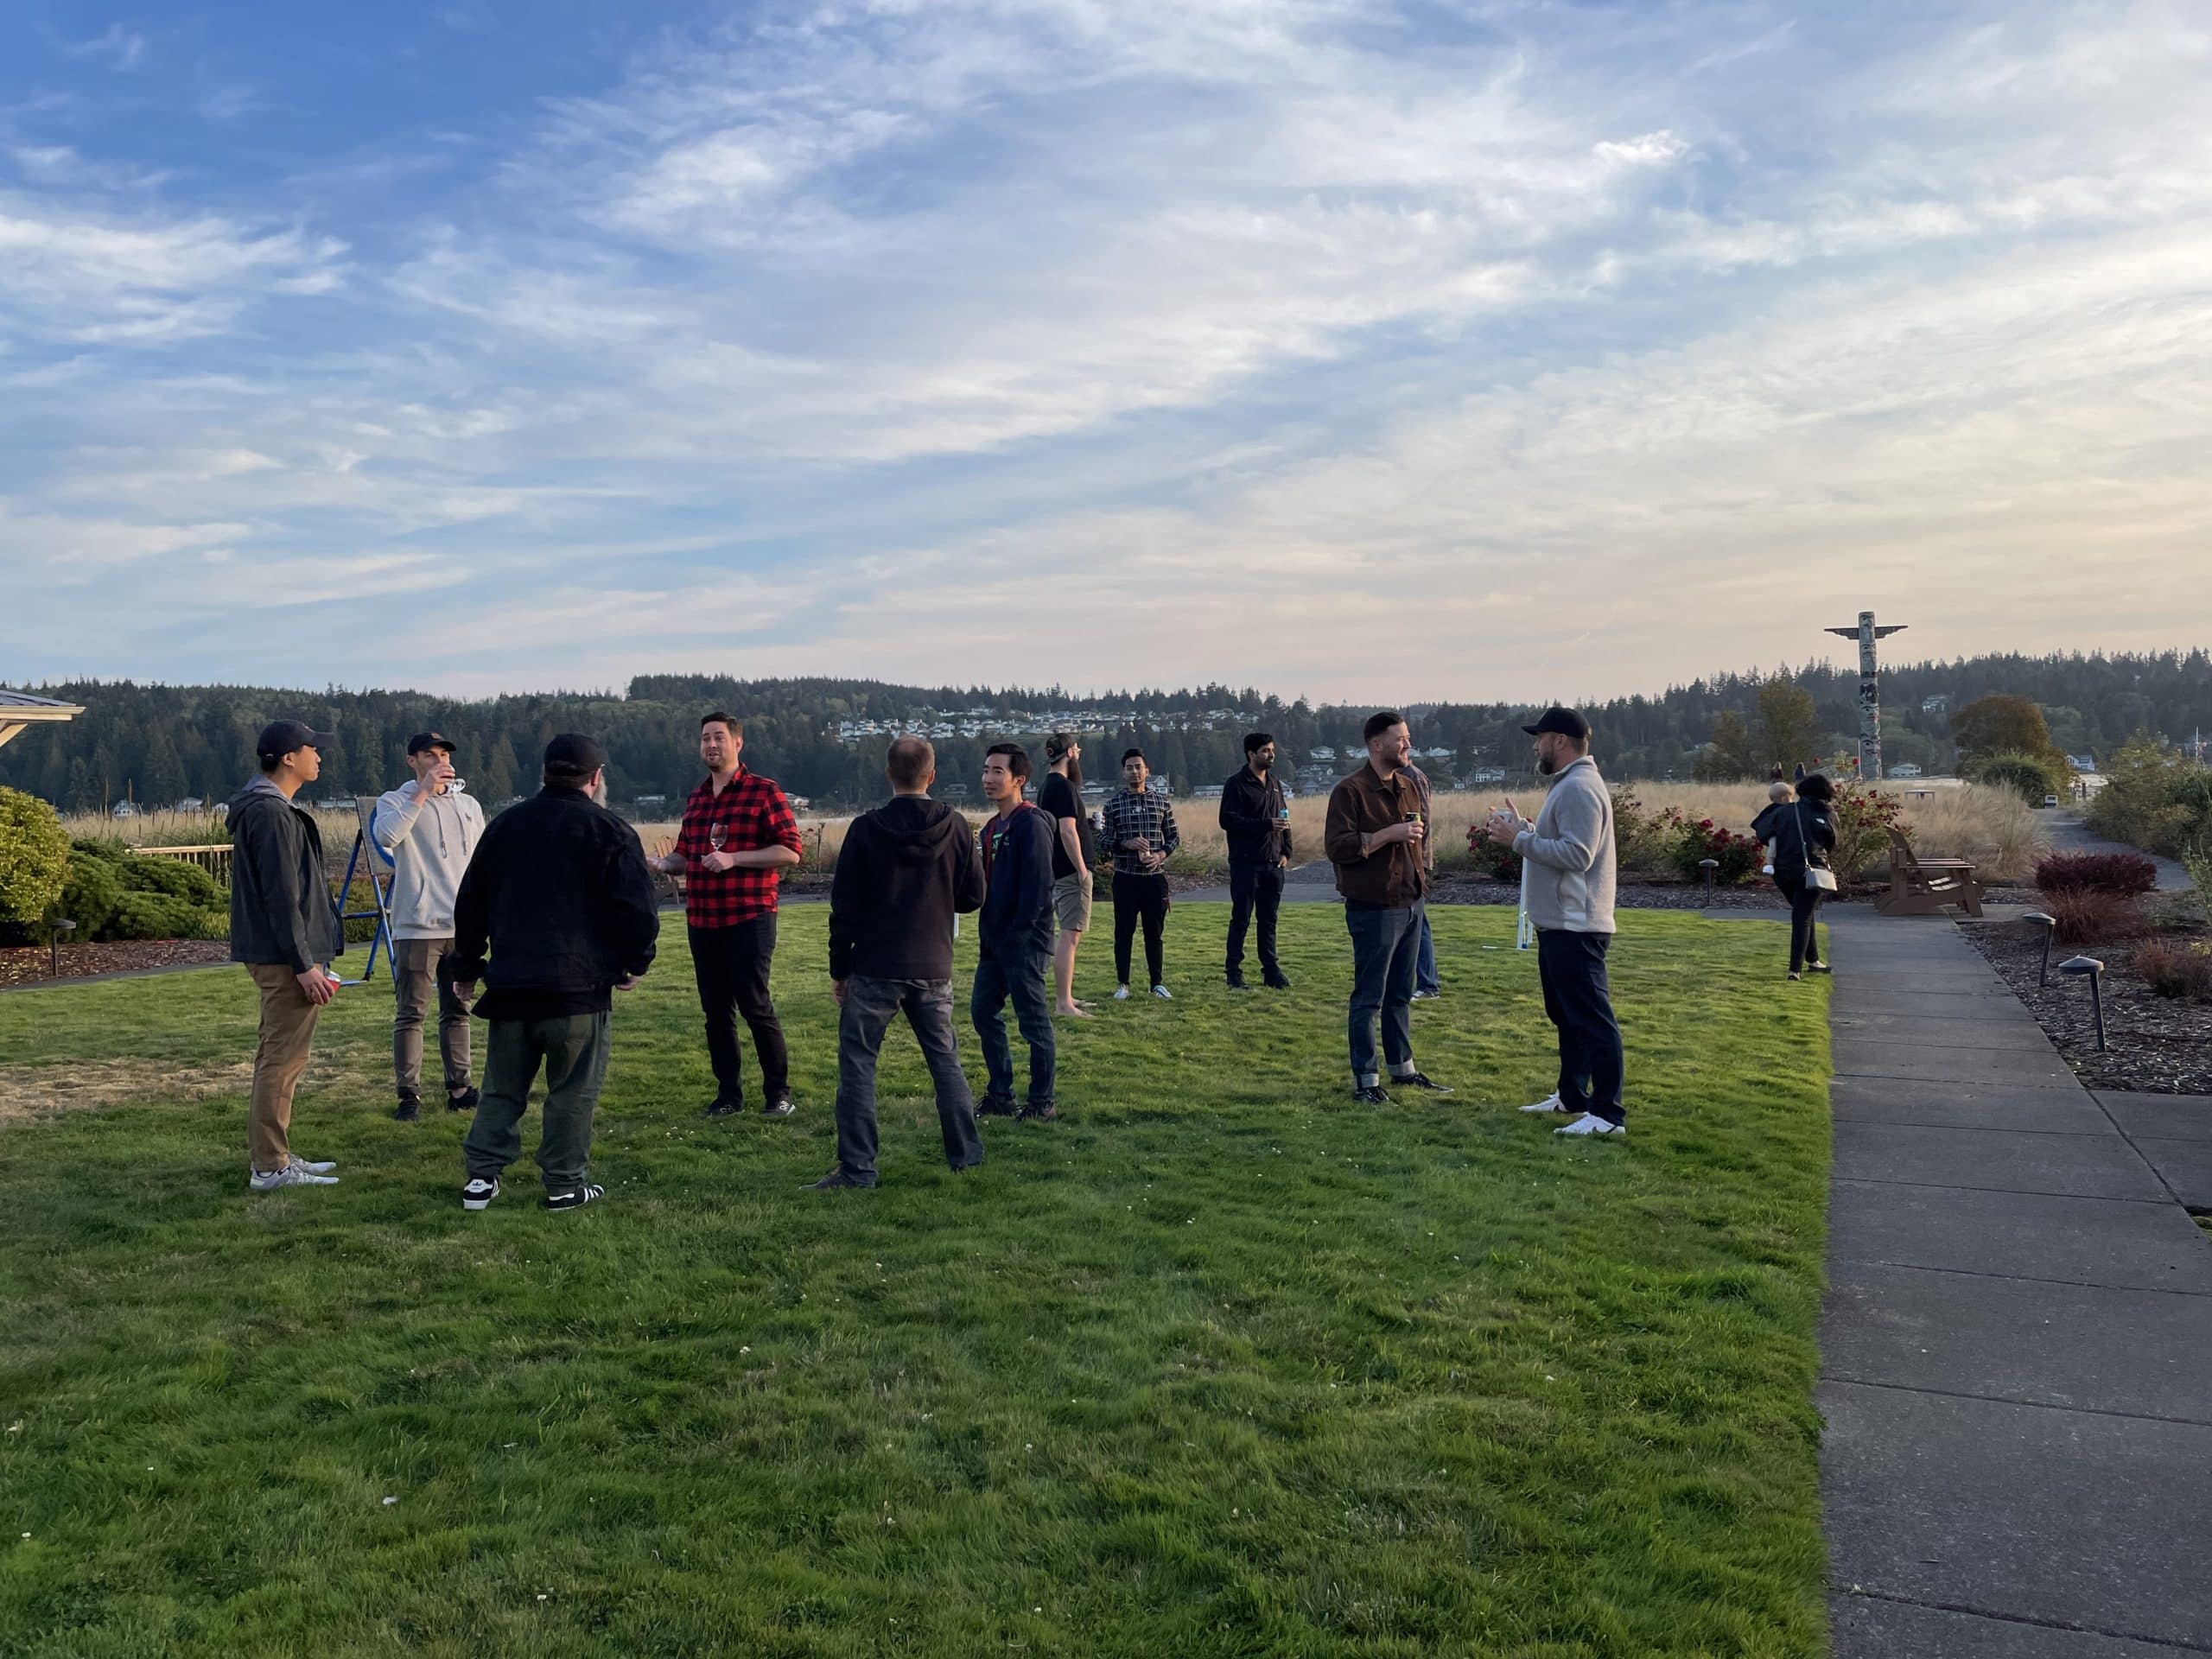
(54, 945)
(1707, 867)
(2048, 923)
(2094, 969)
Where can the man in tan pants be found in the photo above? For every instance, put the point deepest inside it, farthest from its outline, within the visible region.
(429, 829)
(284, 928)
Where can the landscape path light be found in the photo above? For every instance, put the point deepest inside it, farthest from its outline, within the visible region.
(1708, 865)
(2094, 970)
(2048, 923)
(54, 945)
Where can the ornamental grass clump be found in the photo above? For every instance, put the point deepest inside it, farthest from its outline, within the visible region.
(2087, 917)
(2131, 875)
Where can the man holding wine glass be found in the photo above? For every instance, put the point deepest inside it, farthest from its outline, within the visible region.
(738, 836)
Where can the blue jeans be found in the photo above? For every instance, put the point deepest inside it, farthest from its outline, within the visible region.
(1425, 979)
(1015, 973)
(1385, 945)
(1572, 967)
(870, 1006)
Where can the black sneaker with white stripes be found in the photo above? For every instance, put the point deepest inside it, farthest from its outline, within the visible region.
(1417, 1080)
(575, 1198)
(480, 1191)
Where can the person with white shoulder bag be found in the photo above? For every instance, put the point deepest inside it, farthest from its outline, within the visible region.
(1799, 837)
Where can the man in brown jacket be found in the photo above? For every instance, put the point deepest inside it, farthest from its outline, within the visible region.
(1376, 826)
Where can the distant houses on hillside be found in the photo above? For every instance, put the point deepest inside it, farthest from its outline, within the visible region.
(938, 724)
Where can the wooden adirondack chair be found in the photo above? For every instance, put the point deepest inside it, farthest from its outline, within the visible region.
(1921, 886)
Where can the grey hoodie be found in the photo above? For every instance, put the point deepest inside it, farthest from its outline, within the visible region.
(1570, 854)
(430, 842)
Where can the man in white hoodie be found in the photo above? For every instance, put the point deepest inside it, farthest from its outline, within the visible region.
(1569, 850)
(429, 829)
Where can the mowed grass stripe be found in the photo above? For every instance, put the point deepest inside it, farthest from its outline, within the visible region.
(1216, 1364)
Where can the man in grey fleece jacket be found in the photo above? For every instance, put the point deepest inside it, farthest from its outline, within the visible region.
(1569, 852)
(429, 829)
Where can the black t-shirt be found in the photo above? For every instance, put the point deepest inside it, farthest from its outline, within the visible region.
(1057, 797)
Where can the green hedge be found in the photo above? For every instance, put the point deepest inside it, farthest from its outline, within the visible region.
(34, 860)
(114, 893)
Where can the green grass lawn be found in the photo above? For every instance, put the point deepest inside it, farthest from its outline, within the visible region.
(1218, 1364)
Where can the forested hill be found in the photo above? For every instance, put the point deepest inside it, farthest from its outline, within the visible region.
(162, 743)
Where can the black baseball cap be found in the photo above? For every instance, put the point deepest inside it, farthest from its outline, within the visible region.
(280, 737)
(422, 741)
(572, 752)
(1564, 721)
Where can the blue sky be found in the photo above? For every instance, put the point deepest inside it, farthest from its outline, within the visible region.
(1363, 350)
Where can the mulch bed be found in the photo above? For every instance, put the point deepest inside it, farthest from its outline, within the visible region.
(2155, 1045)
(27, 965)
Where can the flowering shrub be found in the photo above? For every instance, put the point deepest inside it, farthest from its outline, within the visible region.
(1737, 855)
(2129, 874)
(1644, 840)
(1492, 858)
(1864, 816)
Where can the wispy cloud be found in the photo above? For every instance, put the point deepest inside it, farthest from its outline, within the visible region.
(838, 336)
(115, 46)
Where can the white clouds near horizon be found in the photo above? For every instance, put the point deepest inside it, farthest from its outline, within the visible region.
(1337, 348)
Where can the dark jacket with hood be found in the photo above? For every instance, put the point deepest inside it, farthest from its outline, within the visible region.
(906, 869)
(1017, 900)
(1796, 833)
(1252, 814)
(281, 907)
(559, 892)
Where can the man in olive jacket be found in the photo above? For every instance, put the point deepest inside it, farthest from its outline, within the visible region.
(284, 928)
(559, 894)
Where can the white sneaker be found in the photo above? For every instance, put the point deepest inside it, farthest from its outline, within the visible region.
(295, 1173)
(313, 1167)
(1548, 1103)
(1591, 1123)
(1163, 993)
(1122, 995)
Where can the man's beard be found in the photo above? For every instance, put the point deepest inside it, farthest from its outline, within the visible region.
(1546, 766)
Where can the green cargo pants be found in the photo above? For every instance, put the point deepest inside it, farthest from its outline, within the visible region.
(573, 1050)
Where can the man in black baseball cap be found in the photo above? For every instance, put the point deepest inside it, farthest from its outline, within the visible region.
(1563, 721)
(559, 895)
(426, 830)
(1568, 879)
(284, 928)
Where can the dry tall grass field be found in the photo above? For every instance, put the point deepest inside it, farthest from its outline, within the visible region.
(1993, 827)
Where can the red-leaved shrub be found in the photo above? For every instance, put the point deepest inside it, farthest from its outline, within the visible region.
(2174, 969)
(2087, 917)
(2129, 875)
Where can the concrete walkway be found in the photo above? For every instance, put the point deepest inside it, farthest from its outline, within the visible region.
(2017, 1342)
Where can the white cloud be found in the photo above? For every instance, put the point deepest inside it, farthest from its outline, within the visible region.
(116, 46)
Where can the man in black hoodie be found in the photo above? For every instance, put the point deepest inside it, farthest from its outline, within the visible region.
(1013, 939)
(559, 893)
(905, 871)
(284, 928)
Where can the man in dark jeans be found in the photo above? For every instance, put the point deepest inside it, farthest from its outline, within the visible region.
(1141, 836)
(737, 836)
(1256, 817)
(1013, 937)
(1374, 835)
(906, 870)
(559, 895)
(1570, 877)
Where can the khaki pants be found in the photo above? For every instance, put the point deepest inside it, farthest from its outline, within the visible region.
(417, 962)
(287, 1027)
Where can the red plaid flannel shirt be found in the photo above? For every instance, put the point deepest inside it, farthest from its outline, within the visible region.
(754, 814)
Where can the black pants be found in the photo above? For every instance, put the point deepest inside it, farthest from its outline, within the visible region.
(1254, 887)
(732, 965)
(1572, 967)
(1140, 898)
(1804, 912)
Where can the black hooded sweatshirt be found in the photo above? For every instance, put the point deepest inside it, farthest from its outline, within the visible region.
(904, 871)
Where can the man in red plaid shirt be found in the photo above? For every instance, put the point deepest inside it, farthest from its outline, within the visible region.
(738, 834)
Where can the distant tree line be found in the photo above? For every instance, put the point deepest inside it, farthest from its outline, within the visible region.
(164, 743)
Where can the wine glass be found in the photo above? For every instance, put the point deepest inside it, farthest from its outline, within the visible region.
(715, 837)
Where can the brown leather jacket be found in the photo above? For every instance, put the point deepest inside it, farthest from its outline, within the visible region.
(1360, 805)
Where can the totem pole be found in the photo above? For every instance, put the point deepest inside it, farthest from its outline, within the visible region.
(1870, 693)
